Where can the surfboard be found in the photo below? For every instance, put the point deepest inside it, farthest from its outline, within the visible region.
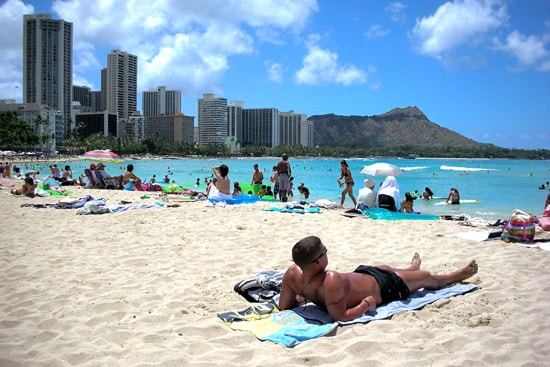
(462, 201)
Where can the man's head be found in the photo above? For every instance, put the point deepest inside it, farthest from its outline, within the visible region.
(370, 183)
(285, 157)
(256, 167)
(100, 166)
(307, 251)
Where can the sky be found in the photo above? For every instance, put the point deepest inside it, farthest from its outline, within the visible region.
(478, 67)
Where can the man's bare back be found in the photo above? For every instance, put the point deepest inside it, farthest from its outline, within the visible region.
(347, 296)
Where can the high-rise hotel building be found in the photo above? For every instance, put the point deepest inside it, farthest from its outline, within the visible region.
(121, 84)
(161, 102)
(212, 119)
(48, 65)
(260, 126)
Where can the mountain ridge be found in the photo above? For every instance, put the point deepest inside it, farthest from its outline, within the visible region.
(399, 126)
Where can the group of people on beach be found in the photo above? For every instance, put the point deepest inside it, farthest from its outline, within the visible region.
(388, 195)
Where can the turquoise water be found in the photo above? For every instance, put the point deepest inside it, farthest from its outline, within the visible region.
(501, 185)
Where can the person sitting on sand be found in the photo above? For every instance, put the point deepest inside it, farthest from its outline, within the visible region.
(388, 196)
(263, 191)
(220, 191)
(67, 178)
(268, 191)
(99, 170)
(407, 204)
(347, 296)
(130, 177)
(56, 174)
(367, 195)
(28, 188)
(454, 196)
(237, 190)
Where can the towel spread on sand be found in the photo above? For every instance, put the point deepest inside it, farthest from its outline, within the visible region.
(385, 214)
(293, 209)
(291, 327)
(266, 322)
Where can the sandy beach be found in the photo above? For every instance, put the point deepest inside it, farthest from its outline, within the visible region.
(143, 287)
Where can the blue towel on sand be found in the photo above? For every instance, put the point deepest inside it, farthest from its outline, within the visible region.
(291, 327)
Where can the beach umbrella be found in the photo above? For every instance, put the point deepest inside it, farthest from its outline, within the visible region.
(382, 169)
(102, 156)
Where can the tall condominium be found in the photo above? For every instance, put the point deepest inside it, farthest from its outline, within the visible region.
(159, 101)
(212, 119)
(293, 129)
(260, 127)
(82, 94)
(48, 64)
(121, 84)
(235, 120)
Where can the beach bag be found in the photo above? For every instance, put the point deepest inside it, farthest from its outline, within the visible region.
(519, 228)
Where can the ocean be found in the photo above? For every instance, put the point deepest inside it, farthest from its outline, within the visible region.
(500, 185)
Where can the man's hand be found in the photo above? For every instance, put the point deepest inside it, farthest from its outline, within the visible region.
(370, 302)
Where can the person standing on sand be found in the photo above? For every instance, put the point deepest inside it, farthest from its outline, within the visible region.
(284, 171)
(345, 173)
(275, 180)
(347, 296)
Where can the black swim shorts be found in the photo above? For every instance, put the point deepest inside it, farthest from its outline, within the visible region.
(392, 287)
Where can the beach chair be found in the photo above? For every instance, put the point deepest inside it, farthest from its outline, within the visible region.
(91, 178)
(103, 182)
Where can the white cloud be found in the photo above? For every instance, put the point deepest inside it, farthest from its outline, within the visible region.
(462, 22)
(529, 50)
(376, 31)
(321, 67)
(11, 18)
(396, 12)
(274, 71)
(183, 44)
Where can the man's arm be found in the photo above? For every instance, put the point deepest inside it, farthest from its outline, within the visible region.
(335, 300)
(287, 299)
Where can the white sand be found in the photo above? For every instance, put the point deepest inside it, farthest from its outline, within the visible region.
(143, 287)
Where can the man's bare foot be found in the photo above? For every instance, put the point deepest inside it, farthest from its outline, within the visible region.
(467, 271)
(415, 262)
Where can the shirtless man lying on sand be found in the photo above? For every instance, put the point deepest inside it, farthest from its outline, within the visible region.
(347, 296)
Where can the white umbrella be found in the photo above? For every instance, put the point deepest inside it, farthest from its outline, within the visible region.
(382, 169)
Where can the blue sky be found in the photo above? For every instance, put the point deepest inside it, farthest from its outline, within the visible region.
(478, 67)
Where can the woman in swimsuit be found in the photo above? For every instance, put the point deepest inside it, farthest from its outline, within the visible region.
(130, 177)
(345, 173)
(223, 183)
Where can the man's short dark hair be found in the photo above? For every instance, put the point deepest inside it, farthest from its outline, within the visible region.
(305, 250)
